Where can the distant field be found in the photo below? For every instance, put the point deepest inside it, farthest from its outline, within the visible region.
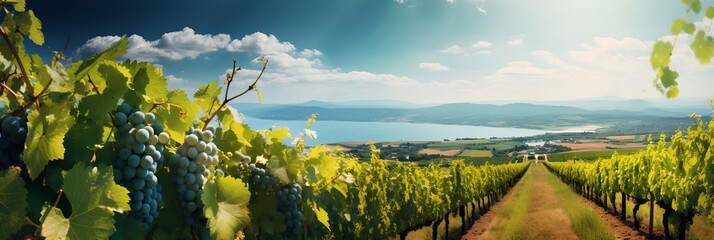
(431, 151)
(476, 153)
(599, 145)
(622, 138)
(589, 155)
(478, 144)
(478, 161)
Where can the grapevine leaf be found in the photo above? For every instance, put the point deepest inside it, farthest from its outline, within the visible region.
(673, 92)
(178, 115)
(710, 12)
(46, 131)
(206, 96)
(82, 68)
(149, 86)
(19, 5)
(322, 216)
(97, 106)
(661, 53)
(677, 25)
(690, 28)
(93, 195)
(13, 202)
(703, 47)
(669, 77)
(82, 139)
(264, 213)
(695, 6)
(226, 200)
(29, 25)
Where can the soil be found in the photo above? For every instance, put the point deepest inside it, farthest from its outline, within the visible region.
(432, 151)
(545, 221)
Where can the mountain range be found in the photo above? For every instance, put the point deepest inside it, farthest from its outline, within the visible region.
(612, 114)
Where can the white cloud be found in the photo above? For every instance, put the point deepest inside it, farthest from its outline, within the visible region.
(260, 43)
(434, 67)
(172, 45)
(482, 44)
(484, 52)
(174, 79)
(548, 57)
(515, 42)
(310, 53)
(453, 49)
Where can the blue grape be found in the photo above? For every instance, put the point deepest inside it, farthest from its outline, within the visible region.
(139, 156)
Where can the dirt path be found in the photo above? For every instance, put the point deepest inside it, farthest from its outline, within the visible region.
(544, 218)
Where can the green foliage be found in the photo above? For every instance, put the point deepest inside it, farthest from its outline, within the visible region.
(13, 204)
(94, 198)
(47, 129)
(226, 200)
(702, 47)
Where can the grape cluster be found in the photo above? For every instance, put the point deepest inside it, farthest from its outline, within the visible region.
(12, 140)
(140, 141)
(190, 167)
(290, 197)
(260, 179)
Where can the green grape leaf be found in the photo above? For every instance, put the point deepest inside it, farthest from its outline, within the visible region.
(695, 6)
(149, 86)
(661, 54)
(703, 47)
(672, 92)
(13, 202)
(206, 96)
(82, 140)
(226, 200)
(46, 131)
(322, 216)
(19, 5)
(677, 25)
(264, 213)
(29, 25)
(668, 77)
(709, 12)
(178, 115)
(93, 195)
(689, 28)
(81, 68)
(97, 106)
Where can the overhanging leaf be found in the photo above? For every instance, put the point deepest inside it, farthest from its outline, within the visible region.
(226, 200)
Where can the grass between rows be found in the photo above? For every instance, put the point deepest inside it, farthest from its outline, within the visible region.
(585, 221)
(511, 216)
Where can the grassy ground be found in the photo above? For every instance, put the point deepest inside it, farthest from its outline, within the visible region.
(476, 153)
(512, 215)
(589, 155)
(585, 222)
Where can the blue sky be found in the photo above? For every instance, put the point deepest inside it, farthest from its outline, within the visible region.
(423, 51)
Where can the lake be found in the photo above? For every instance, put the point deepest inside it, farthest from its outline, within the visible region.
(344, 131)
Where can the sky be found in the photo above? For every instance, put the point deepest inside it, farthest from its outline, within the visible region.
(420, 51)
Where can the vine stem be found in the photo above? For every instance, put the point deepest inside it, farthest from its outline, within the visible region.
(9, 90)
(226, 99)
(156, 105)
(89, 78)
(45, 214)
(19, 62)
